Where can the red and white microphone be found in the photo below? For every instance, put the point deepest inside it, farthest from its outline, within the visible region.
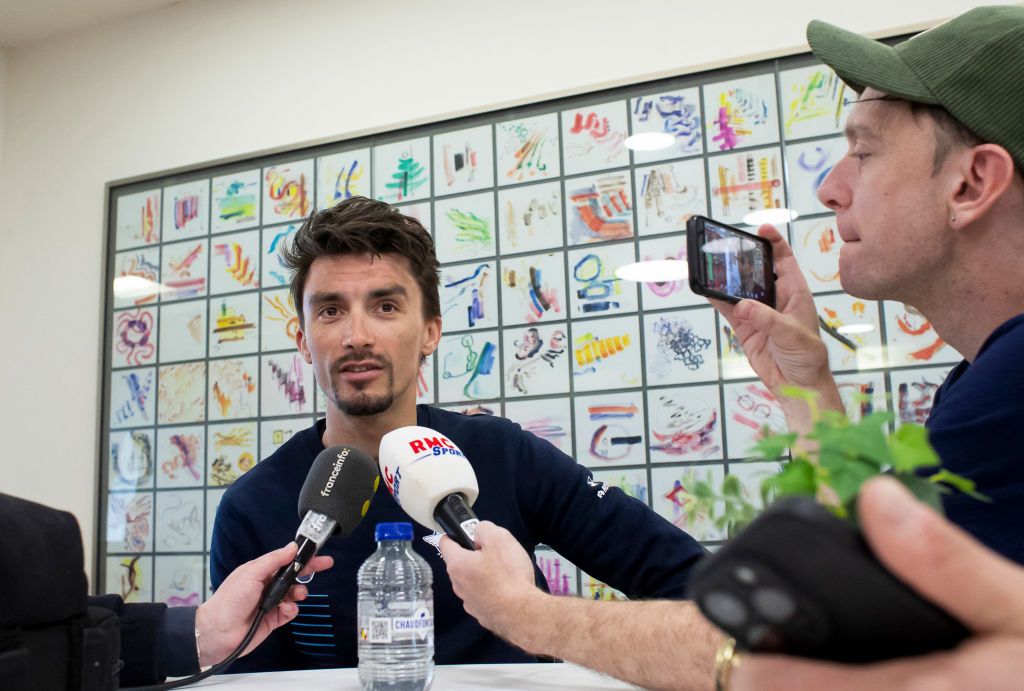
(431, 480)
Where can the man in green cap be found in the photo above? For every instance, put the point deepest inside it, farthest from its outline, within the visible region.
(930, 203)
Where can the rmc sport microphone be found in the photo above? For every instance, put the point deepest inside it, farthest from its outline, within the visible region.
(431, 480)
(334, 498)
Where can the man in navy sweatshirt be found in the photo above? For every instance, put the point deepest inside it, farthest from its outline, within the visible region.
(366, 290)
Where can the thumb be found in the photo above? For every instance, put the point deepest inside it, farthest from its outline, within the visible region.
(943, 563)
(265, 566)
(485, 533)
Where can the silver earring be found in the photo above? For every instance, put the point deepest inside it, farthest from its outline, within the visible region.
(952, 219)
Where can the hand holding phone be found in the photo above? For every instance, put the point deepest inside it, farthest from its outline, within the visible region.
(728, 263)
(800, 581)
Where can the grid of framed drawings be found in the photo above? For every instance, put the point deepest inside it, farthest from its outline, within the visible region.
(531, 209)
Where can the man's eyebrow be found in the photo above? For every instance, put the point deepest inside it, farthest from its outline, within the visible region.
(322, 297)
(394, 290)
(855, 131)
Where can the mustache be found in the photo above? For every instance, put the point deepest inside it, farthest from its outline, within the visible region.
(362, 356)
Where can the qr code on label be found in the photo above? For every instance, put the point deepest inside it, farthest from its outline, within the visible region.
(380, 630)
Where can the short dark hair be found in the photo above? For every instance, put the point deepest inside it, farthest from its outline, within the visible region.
(359, 225)
(949, 132)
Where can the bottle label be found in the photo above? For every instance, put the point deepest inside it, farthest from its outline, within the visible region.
(416, 622)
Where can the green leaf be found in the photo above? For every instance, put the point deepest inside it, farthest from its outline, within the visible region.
(797, 477)
(772, 445)
(798, 393)
(911, 450)
(958, 482)
(731, 486)
(847, 478)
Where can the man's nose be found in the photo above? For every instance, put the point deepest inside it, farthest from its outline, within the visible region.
(358, 331)
(833, 192)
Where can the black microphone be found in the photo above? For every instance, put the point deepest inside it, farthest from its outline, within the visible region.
(334, 498)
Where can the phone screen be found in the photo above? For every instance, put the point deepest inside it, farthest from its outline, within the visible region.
(734, 263)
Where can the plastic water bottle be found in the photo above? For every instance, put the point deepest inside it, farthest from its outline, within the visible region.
(396, 614)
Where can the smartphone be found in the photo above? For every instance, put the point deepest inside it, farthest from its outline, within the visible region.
(800, 581)
(728, 263)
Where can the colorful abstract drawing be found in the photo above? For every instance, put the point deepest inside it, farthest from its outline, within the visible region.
(735, 364)
(672, 490)
(599, 208)
(685, 424)
(816, 243)
(741, 183)
(559, 574)
(236, 201)
(809, 165)
(594, 589)
(741, 113)
(751, 476)
(668, 195)
(186, 210)
(131, 460)
(676, 113)
(274, 433)
(280, 320)
(527, 149)
(862, 393)
(530, 218)
(548, 419)
(532, 288)
(464, 227)
(180, 459)
(129, 577)
(287, 191)
(606, 354)
(179, 579)
(144, 264)
(469, 297)
(402, 170)
(593, 137)
(287, 385)
(464, 159)
(233, 325)
(912, 339)
(131, 397)
(666, 294)
(610, 429)
(468, 367)
(233, 388)
(425, 392)
(851, 331)
(184, 270)
(182, 393)
(129, 522)
(593, 287)
(914, 393)
(750, 411)
(138, 219)
(536, 362)
(179, 521)
(342, 176)
(680, 347)
(183, 331)
(134, 338)
(275, 241)
(232, 452)
(237, 264)
(814, 102)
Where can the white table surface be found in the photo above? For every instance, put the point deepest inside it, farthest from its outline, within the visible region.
(539, 677)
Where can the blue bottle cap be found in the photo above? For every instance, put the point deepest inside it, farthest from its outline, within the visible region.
(393, 531)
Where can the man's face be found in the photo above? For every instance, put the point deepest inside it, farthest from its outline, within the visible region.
(890, 208)
(364, 331)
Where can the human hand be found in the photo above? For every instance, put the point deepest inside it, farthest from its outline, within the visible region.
(783, 344)
(945, 565)
(224, 619)
(494, 580)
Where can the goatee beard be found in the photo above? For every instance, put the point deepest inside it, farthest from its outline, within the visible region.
(362, 404)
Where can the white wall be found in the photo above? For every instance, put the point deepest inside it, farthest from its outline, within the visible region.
(202, 81)
(3, 94)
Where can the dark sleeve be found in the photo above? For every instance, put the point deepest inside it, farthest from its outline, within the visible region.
(232, 544)
(156, 641)
(600, 529)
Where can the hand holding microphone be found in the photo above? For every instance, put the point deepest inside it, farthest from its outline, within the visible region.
(334, 498)
(431, 480)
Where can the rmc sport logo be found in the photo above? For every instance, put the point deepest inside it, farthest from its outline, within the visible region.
(434, 446)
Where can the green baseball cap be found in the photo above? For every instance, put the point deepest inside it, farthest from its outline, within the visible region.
(971, 65)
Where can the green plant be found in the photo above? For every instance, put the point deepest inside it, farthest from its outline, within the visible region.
(831, 463)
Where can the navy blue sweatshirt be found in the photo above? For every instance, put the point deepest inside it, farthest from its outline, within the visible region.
(526, 485)
(975, 426)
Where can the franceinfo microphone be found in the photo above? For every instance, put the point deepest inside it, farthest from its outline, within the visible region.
(334, 498)
(431, 480)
